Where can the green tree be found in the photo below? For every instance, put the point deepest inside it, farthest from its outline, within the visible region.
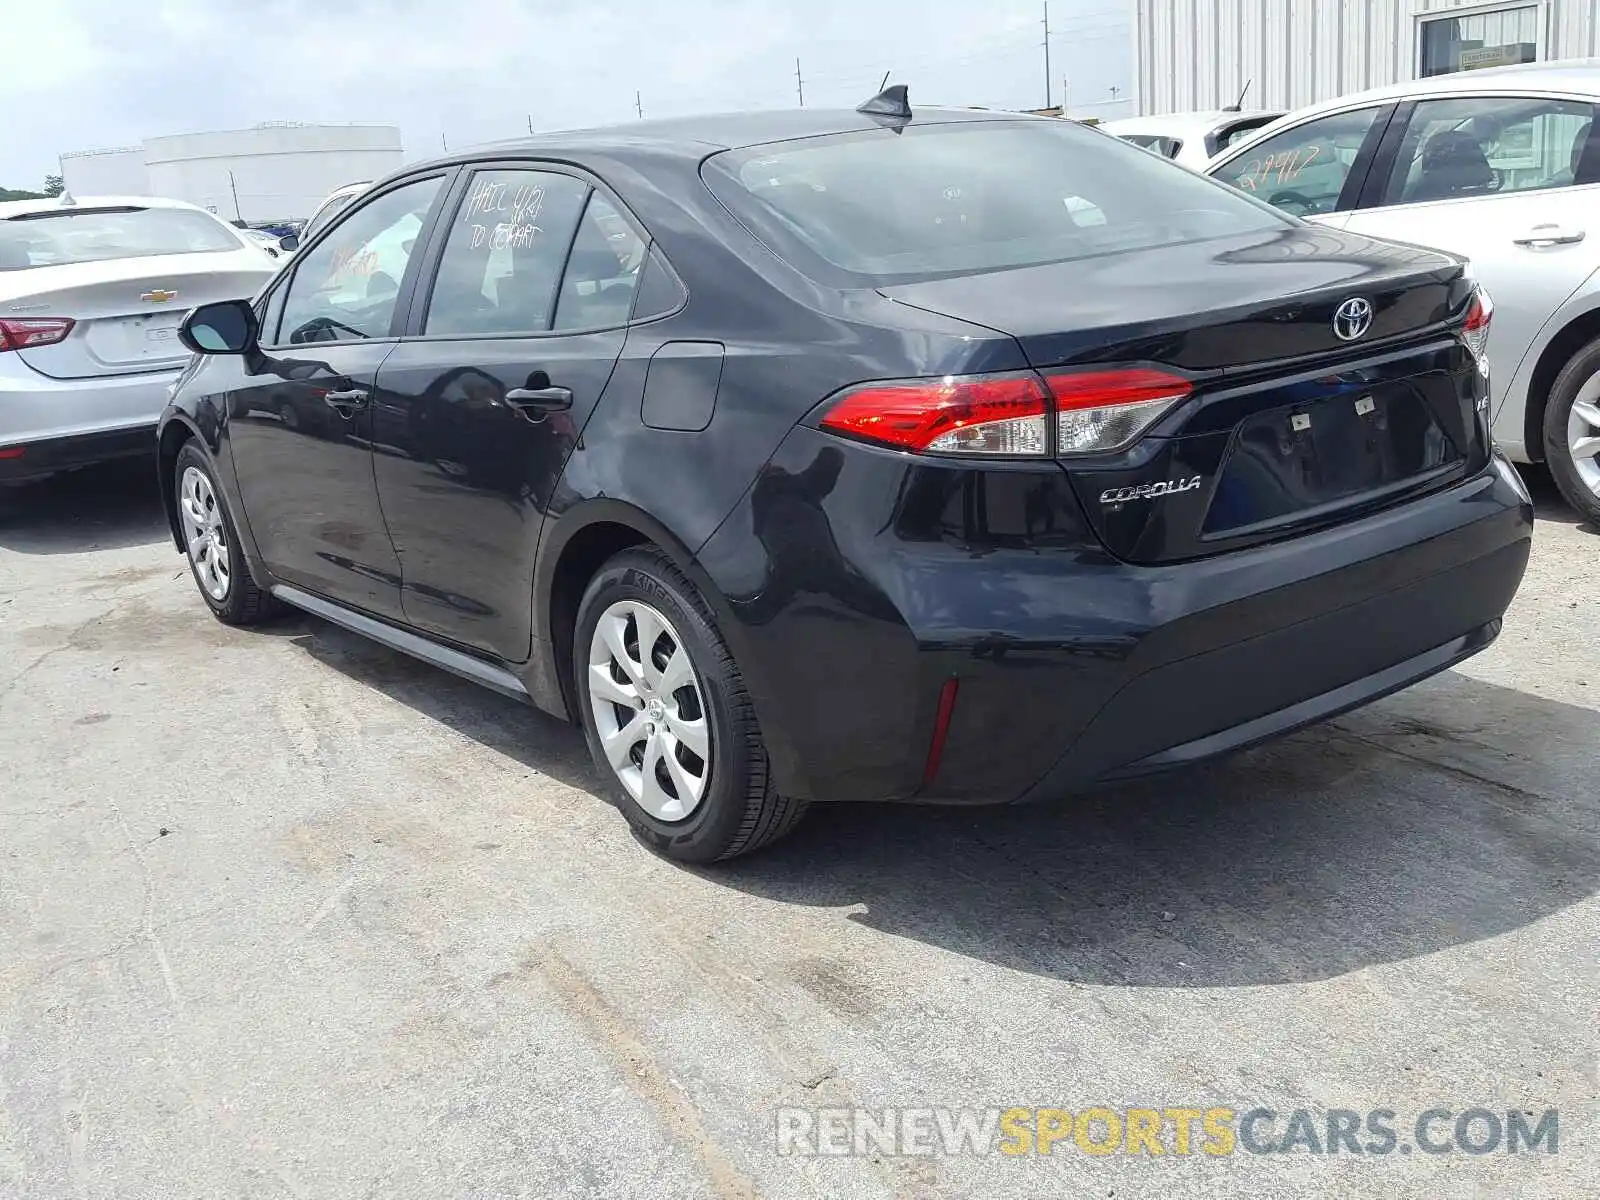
(19, 194)
(54, 185)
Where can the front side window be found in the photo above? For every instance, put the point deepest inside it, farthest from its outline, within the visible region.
(346, 287)
(81, 235)
(502, 259)
(1501, 38)
(1302, 170)
(1489, 145)
(937, 200)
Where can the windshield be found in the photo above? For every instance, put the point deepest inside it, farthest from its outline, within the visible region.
(879, 207)
(53, 238)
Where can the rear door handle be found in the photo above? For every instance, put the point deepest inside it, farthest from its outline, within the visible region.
(346, 401)
(1550, 235)
(533, 403)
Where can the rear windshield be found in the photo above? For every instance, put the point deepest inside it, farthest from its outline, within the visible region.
(877, 207)
(1165, 146)
(94, 235)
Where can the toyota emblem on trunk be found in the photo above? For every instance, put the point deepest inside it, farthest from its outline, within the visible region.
(1352, 319)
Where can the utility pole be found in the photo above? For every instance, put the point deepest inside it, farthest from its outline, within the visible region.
(1047, 76)
(799, 83)
(239, 216)
(638, 104)
(530, 123)
(444, 143)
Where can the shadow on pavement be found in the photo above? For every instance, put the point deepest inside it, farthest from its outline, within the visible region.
(1451, 813)
(107, 507)
(1548, 503)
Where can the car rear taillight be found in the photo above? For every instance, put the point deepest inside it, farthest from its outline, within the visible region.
(1018, 414)
(1098, 411)
(1475, 330)
(958, 414)
(19, 333)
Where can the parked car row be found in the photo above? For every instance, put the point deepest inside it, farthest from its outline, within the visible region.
(1499, 166)
(929, 455)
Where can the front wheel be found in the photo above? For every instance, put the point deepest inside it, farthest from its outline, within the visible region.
(212, 545)
(667, 717)
(1572, 432)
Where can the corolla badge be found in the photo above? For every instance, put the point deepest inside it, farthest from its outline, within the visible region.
(1149, 491)
(1352, 319)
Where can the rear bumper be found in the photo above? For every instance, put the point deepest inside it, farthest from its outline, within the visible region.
(1074, 668)
(37, 408)
(38, 459)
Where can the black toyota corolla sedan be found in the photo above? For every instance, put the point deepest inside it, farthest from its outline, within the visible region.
(922, 455)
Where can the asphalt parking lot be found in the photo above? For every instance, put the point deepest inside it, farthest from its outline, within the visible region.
(283, 913)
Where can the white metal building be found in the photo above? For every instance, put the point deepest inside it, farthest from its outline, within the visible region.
(1199, 54)
(276, 171)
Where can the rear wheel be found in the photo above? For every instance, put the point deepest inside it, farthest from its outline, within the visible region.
(1572, 431)
(667, 716)
(212, 546)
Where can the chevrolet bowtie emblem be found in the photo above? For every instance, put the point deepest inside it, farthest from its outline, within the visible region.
(159, 297)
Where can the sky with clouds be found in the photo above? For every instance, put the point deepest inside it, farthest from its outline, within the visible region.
(91, 74)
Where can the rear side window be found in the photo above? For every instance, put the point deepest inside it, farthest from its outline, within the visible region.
(1489, 145)
(101, 234)
(1302, 170)
(603, 272)
(503, 257)
(937, 200)
(329, 210)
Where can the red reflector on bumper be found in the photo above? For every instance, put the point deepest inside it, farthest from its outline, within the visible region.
(12, 451)
(941, 729)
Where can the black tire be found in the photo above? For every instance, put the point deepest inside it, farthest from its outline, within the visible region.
(1580, 369)
(244, 603)
(740, 810)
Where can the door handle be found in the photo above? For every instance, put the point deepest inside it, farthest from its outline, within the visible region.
(346, 401)
(1549, 235)
(533, 403)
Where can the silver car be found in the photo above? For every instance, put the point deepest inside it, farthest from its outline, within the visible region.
(1500, 166)
(91, 295)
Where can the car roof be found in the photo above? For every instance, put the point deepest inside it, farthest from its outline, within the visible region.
(67, 203)
(697, 137)
(1187, 124)
(1574, 75)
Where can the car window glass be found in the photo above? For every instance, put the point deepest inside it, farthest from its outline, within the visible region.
(346, 286)
(603, 270)
(1166, 147)
(659, 291)
(1484, 145)
(330, 209)
(1302, 170)
(504, 253)
(941, 200)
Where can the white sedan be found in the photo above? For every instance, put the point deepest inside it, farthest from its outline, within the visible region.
(1502, 167)
(92, 291)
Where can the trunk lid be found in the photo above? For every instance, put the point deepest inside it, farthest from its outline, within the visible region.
(127, 311)
(1290, 426)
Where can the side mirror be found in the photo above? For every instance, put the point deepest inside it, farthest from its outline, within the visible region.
(226, 327)
(289, 242)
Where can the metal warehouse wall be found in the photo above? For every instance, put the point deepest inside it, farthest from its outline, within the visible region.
(106, 172)
(1198, 54)
(278, 171)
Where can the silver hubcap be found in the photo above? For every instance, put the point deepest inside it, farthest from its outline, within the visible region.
(649, 710)
(202, 529)
(1583, 434)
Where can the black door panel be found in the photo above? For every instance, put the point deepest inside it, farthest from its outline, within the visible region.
(304, 467)
(466, 475)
